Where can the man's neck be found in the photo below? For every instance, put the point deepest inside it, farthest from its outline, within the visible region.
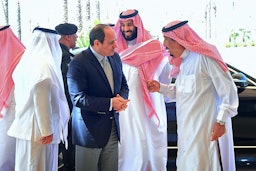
(65, 43)
(132, 42)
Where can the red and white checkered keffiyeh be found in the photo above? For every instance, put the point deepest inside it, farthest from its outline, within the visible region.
(146, 54)
(10, 53)
(142, 33)
(189, 39)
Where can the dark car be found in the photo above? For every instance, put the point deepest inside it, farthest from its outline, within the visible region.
(244, 124)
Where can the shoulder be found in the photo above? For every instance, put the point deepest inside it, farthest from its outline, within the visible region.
(154, 41)
(116, 57)
(151, 43)
(83, 55)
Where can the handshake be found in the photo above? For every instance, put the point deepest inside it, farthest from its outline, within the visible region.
(152, 85)
(119, 103)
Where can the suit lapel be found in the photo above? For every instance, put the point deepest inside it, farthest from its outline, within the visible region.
(98, 66)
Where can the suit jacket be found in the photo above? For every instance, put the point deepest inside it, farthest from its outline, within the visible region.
(90, 94)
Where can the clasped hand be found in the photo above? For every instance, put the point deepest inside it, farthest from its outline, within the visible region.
(119, 103)
(152, 85)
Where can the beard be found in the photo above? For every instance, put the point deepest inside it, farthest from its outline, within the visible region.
(133, 36)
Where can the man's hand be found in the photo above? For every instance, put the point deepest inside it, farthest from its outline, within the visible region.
(119, 103)
(153, 85)
(46, 139)
(218, 131)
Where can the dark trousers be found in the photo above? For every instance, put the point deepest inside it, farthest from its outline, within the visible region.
(68, 154)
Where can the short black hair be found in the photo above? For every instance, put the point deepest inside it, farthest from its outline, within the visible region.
(97, 33)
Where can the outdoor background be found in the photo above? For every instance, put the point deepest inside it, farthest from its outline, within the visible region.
(229, 24)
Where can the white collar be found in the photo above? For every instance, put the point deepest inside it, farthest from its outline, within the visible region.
(131, 42)
(185, 53)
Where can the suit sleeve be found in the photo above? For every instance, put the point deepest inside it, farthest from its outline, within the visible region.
(84, 94)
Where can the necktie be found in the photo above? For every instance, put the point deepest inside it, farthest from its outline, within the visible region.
(108, 71)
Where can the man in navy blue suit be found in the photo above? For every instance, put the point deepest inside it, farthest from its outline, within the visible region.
(97, 99)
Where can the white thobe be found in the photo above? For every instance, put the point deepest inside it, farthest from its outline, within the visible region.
(38, 119)
(204, 93)
(7, 143)
(143, 144)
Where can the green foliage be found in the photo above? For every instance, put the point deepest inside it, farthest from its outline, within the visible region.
(240, 38)
(83, 40)
(253, 43)
(97, 21)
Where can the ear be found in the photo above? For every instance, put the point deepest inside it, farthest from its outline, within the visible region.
(67, 37)
(96, 42)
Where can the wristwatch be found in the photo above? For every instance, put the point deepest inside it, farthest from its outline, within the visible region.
(220, 122)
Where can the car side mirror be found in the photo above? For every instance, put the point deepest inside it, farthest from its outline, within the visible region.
(240, 80)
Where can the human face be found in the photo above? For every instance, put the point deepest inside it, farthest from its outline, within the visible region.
(173, 47)
(107, 48)
(128, 29)
(72, 40)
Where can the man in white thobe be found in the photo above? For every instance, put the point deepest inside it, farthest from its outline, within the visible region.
(143, 125)
(41, 111)
(206, 100)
